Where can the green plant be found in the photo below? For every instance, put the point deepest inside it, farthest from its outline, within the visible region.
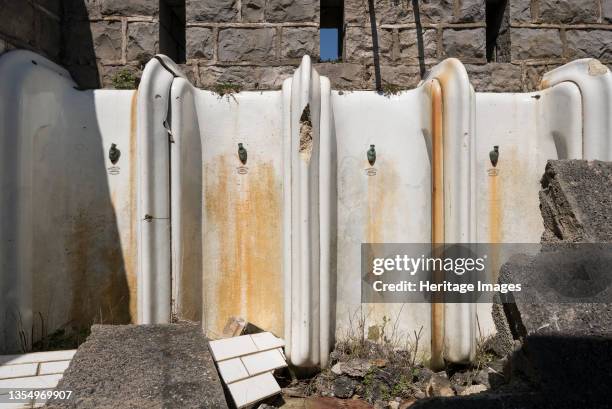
(226, 88)
(124, 79)
(391, 89)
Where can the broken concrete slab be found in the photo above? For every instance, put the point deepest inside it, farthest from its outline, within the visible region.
(564, 293)
(142, 366)
(576, 201)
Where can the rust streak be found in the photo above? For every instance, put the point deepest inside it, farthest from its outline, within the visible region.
(437, 221)
(130, 259)
(243, 212)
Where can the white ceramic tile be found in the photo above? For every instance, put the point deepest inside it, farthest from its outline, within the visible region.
(261, 362)
(18, 371)
(232, 370)
(253, 389)
(266, 340)
(280, 350)
(37, 357)
(232, 347)
(47, 368)
(23, 405)
(32, 382)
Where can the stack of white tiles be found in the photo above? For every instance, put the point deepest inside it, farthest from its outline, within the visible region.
(36, 371)
(246, 364)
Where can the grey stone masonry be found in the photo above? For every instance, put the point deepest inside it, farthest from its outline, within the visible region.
(32, 24)
(101, 40)
(108, 39)
(255, 44)
(224, 37)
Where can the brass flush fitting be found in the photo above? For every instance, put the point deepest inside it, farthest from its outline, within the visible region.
(494, 155)
(372, 155)
(242, 154)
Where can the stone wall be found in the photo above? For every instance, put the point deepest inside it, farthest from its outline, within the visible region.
(252, 43)
(547, 33)
(255, 44)
(32, 25)
(107, 42)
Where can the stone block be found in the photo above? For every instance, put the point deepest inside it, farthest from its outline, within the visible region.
(87, 42)
(567, 216)
(464, 43)
(535, 43)
(520, 11)
(211, 10)
(142, 41)
(393, 11)
(343, 76)
(470, 11)
(589, 43)
(246, 44)
(495, 77)
(190, 72)
(400, 76)
(253, 10)
(299, 41)
(606, 10)
(247, 77)
(48, 34)
(80, 9)
(199, 42)
(129, 8)
(569, 11)
(356, 12)
(17, 21)
(359, 44)
(284, 11)
(52, 6)
(436, 11)
(532, 77)
(409, 47)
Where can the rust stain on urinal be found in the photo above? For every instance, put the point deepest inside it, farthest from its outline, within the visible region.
(243, 215)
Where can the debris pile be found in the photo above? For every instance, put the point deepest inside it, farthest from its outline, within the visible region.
(392, 379)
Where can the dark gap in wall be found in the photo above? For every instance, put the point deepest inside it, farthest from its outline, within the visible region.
(172, 29)
(331, 32)
(498, 35)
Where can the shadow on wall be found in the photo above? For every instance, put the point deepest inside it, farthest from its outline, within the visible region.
(78, 54)
(65, 262)
(376, 49)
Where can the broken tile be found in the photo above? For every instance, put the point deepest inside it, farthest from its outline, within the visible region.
(232, 347)
(232, 370)
(253, 389)
(261, 362)
(267, 340)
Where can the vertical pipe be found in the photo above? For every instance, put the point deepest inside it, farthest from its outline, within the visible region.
(437, 222)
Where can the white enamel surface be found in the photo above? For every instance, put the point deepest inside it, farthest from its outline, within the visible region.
(393, 206)
(68, 226)
(275, 240)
